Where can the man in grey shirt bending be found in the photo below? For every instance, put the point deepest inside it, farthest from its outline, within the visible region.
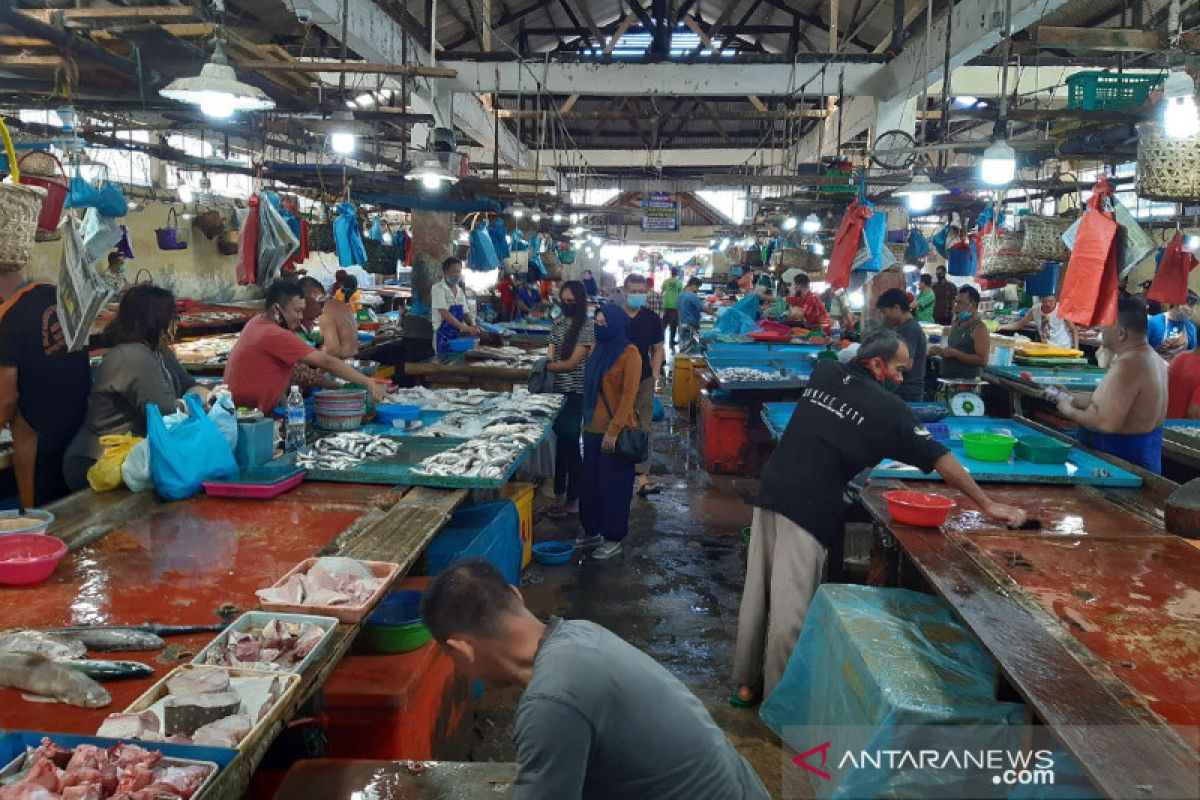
(598, 718)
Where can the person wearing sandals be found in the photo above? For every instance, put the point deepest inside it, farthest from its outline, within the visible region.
(646, 333)
(610, 386)
(571, 339)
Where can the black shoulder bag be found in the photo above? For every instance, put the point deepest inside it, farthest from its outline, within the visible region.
(633, 443)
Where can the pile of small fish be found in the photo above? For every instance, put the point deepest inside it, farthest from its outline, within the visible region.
(478, 458)
(51, 666)
(202, 706)
(331, 581)
(88, 772)
(503, 357)
(345, 450)
(443, 399)
(747, 375)
(278, 645)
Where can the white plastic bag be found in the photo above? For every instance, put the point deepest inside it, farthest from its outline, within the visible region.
(224, 416)
(135, 472)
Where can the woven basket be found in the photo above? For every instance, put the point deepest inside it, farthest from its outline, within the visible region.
(550, 258)
(1003, 256)
(1043, 238)
(796, 258)
(1167, 169)
(20, 206)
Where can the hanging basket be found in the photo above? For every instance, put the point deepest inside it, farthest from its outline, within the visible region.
(796, 258)
(39, 168)
(211, 223)
(1043, 238)
(20, 207)
(1167, 169)
(227, 242)
(1003, 256)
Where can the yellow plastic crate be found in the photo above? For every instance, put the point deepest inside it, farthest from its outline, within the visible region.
(522, 496)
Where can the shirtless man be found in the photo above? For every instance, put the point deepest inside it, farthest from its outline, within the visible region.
(1124, 416)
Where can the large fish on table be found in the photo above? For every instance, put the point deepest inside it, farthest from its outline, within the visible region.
(111, 640)
(38, 675)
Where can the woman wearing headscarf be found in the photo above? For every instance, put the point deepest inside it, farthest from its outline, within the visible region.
(610, 385)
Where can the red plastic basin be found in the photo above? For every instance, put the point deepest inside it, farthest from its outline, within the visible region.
(921, 509)
(28, 558)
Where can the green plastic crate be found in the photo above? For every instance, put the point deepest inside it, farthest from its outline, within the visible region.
(1108, 91)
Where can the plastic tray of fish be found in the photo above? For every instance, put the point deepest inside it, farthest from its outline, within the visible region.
(341, 451)
(240, 679)
(477, 464)
(16, 747)
(386, 571)
(255, 621)
(750, 378)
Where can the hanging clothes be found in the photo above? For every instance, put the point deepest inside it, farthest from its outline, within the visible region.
(347, 236)
(1089, 291)
(846, 244)
(1171, 280)
(247, 262)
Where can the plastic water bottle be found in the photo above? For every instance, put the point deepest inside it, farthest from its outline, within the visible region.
(836, 333)
(295, 432)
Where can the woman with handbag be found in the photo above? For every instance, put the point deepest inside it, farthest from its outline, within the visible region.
(571, 339)
(612, 439)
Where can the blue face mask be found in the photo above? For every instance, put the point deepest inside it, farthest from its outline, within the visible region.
(964, 316)
(635, 301)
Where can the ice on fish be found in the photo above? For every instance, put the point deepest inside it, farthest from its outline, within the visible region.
(747, 375)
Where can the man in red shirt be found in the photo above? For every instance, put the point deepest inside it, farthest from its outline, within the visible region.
(260, 364)
(807, 308)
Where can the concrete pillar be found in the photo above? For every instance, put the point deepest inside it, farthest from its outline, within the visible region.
(431, 243)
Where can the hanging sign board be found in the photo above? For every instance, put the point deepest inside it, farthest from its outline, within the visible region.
(660, 212)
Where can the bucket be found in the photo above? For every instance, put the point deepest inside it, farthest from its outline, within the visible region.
(56, 193)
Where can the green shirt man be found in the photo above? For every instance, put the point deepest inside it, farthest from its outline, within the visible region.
(925, 300)
(671, 289)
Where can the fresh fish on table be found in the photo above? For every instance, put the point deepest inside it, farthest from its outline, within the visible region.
(112, 639)
(38, 675)
(109, 670)
(345, 450)
(747, 375)
(53, 647)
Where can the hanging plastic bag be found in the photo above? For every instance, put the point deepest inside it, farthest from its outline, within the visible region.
(247, 262)
(875, 238)
(1134, 244)
(1045, 281)
(112, 201)
(499, 236)
(81, 193)
(276, 243)
(1171, 280)
(185, 456)
(1089, 291)
(482, 256)
(917, 248)
(224, 415)
(125, 246)
(100, 235)
(960, 260)
(168, 236)
(846, 244)
(375, 234)
(347, 236)
(105, 474)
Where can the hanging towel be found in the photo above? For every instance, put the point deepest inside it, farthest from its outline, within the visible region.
(1089, 292)
(846, 244)
(482, 256)
(247, 263)
(1171, 280)
(499, 236)
(347, 236)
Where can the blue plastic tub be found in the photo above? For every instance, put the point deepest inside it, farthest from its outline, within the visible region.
(396, 626)
(491, 531)
(388, 413)
(553, 552)
(461, 345)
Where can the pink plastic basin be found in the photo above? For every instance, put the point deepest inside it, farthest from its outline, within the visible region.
(29, 558)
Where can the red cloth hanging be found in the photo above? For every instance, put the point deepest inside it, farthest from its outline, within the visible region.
(846, 244)
(1171, 280)
(1089, 292)
(247, 262)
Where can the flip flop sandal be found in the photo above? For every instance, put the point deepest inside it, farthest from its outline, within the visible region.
(646, 491)
(737, 702)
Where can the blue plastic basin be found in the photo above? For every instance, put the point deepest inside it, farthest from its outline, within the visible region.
(553, 552)
(391, 412)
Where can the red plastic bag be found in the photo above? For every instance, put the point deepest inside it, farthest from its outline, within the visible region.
(247, 263)
(846, 244)
(1171, 281)
(1089, 292)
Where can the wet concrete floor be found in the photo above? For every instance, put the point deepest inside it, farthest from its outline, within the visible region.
(673, 592)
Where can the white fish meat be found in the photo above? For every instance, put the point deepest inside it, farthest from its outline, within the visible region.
(55, 648)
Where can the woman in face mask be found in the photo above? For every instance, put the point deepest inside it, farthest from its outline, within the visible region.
(966, 351)
(529, 297)
(571, 340)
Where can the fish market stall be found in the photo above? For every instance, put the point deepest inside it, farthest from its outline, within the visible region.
(206, 355)
(457, 370)
(188, 569)
(1088, 611)
(1181, 449)
(1030, 382)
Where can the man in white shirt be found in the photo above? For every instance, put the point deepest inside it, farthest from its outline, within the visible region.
(450, 309)
(1051, 328)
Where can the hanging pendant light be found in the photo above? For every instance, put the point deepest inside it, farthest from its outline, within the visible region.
(919, 192)
(216, 91)
(999, 164)
(789, 223)
(811, 224)
(1180, 119)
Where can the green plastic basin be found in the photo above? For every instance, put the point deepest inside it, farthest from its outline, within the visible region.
(988, 446)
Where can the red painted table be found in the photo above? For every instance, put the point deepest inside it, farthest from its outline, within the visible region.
(1094, 619)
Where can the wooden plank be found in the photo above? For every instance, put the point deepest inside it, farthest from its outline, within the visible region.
(114, 14)
(758, 104)
(24, 61)
(25, 42)
(1108, 40)
(1092, 718)
(621, 30)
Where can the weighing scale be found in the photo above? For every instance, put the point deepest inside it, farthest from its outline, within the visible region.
(961, 395)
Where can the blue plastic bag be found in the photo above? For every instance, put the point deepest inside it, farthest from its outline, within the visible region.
(185, 456)
(347, 237)
(112, 201)
(660, 413)
(375, 234)
(482, 256)
(734, 322)
(875, 234)
(499, 236)
(960, 261)
(939, 241)
(918, 246)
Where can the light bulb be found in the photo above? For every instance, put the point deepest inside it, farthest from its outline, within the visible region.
(811, 224)
(999, 164)
(725, 243)
(219, 105)
(518, 213)
(1180, 120)
(596, 240)
(431, 182)
(1191, 243)
(387, 238)
(536, 217)
(818, 249)
(185, 193)
(919, 201)
(342, 142)
(712, 243)
(574, 219)
(464, 237)
(557, 217)
(856, 301)
(910, 267)
(789, 223)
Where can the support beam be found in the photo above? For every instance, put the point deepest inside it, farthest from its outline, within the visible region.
(663, 79)
(713, 158)
(357, 67)
(1106, 40)
(114, 14)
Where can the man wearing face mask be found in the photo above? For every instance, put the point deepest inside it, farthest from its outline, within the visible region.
(966, 351)
(848, 419)
(450, 308)
(646, 333)
(261, 363)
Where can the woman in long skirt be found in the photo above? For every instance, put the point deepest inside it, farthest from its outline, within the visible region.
(611, 380)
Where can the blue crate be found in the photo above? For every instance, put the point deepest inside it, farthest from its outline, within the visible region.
(490, 531)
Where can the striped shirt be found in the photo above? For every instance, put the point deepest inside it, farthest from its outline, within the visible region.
(570, 382)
